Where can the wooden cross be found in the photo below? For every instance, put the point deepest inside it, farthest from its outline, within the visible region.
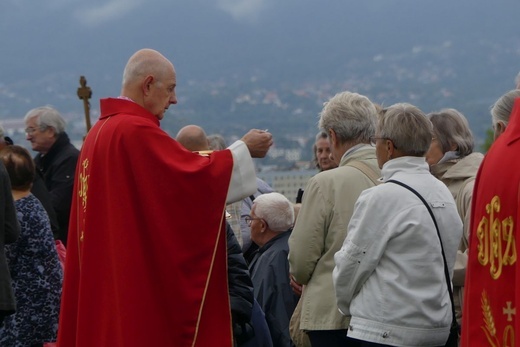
(84, 94)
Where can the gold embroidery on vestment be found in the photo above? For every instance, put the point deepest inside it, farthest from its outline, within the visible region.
(496, 242)
(83, 184)
(489, 327)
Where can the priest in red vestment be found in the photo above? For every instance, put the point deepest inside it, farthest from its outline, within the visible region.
(492, 288)
(146, 258)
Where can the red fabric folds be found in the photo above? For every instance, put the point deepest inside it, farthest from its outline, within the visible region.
(492, 288)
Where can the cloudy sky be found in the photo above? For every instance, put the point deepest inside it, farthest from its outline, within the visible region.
(96, 12)
(45, 33)
(40, 39)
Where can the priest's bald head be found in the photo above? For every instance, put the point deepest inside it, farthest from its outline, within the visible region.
(149, 79)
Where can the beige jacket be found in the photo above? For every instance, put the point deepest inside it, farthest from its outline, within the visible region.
(459, 177)
(321, 228)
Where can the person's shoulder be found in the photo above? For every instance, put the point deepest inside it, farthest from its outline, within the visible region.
(476, 156)
(35, 203)
(276, 254)
(263, 186)
(72, 150)
(31, 204)
(327, 175)
(385, 193)
(69, 151)
(132, 129)
(435, 184)
(346, 173)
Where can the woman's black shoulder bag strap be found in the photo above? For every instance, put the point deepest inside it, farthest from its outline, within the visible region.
(454, 331)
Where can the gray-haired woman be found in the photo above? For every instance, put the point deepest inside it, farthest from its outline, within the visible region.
(453, 161)
(501, 111)
(390, 272)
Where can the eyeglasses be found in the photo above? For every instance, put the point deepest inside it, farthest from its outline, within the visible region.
(31, 130)
(250, 219)
(373, 140)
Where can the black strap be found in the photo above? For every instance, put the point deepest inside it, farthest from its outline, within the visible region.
(446, 271)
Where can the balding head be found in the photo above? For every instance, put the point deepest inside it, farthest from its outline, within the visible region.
(149, 79)
(193, 138)
(143, 63)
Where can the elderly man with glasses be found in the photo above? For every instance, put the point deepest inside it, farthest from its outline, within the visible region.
(271, 220)
(56, 160)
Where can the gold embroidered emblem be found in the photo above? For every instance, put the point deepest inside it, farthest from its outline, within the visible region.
(496, 242)
(509, 311)
(83, 184)
(490, 329)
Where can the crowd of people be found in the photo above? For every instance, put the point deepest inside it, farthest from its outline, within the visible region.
(405, 237)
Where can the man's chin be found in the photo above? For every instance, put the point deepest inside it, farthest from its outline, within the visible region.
(160, 116)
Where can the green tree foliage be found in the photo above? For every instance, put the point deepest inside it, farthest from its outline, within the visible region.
(490, 135)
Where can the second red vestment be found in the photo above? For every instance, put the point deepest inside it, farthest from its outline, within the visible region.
(492, 288)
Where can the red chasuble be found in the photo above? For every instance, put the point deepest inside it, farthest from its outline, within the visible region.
(492, 288)
(146, 260)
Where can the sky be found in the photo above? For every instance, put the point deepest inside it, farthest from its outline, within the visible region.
(96, 12)
(48, 44)
(42, 34)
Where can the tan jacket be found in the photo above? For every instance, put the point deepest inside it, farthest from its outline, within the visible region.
(321, 228)
(459, 177)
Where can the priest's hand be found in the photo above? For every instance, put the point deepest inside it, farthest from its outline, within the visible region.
(258, 142)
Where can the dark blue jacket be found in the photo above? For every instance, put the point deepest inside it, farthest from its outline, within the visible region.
(270, 274)
(57, 168)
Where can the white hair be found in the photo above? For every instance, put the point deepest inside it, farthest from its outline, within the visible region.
(47, 117)
(352, 116)
(276, 210)
(501, 110)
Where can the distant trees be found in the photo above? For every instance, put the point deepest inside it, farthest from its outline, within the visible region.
(490, 136)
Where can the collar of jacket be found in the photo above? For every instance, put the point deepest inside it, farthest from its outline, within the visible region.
(62, 141)
(357, 152)
(271, 242)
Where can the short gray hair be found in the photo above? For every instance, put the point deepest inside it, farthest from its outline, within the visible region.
(501, 110)
(450, 127)
(47, 117)
(407, 127)
(216, 142)
(276, 210)
(352, 117)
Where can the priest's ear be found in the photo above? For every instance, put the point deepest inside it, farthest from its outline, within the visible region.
(147, 84)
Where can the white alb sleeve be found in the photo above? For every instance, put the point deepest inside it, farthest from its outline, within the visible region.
(243, 178)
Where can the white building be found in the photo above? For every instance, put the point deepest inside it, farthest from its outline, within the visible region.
(287, 182)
